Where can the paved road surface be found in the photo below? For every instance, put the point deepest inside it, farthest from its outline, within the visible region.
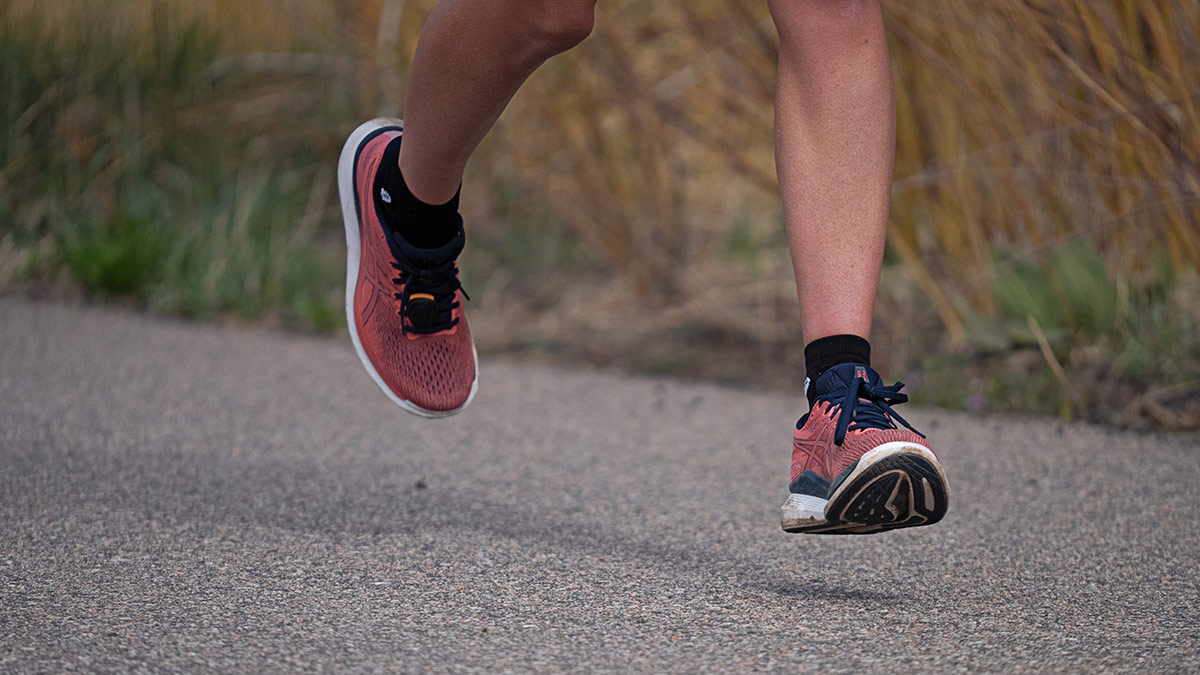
(187, 497)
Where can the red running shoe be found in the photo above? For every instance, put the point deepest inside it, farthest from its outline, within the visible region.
(403, 304)
(853, 470)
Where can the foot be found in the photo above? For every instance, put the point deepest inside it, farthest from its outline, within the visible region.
(403, 304)
(853, 470)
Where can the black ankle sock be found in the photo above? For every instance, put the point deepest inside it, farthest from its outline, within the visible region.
(422, 225)
(827, 352)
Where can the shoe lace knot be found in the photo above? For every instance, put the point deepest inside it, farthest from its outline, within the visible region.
(865, 405)
(428, 293)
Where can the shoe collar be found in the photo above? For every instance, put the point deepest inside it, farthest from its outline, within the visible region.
(426, 257)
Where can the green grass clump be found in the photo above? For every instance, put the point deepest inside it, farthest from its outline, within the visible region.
(153, 181)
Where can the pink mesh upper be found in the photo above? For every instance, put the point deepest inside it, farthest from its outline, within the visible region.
(434, 372)
(813, 448)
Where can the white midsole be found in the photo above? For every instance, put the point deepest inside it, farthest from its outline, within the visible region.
(353, 257)
(803, 507)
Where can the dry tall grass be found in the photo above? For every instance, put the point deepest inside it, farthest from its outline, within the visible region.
(1021, 126)
(1025, 125)
(1028, 131)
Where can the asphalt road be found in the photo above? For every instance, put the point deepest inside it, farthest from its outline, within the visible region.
(189, 497)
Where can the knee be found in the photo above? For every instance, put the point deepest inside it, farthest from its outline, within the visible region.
(558, 25)
(829, 18)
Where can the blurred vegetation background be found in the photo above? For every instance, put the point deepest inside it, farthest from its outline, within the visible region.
(178, 155)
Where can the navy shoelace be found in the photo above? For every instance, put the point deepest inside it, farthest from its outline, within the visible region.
(433, 280)
(866, 406)
(441, 282)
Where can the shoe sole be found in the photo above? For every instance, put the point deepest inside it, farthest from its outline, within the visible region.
(894, 485)
(349, 196)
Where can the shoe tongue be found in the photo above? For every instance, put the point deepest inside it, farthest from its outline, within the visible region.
(844, 376)
(435, 256)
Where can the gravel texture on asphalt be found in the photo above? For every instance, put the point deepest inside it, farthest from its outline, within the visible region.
(198, 498)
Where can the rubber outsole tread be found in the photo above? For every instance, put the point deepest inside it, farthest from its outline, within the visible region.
(901, 489)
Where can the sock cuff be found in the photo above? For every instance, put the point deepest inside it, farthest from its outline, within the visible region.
(822, 354)
(422, 224)
(424, 210)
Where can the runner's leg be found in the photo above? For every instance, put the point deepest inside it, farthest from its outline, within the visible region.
(857, 466)
(404, 300)
(834, 144)
(471, 58)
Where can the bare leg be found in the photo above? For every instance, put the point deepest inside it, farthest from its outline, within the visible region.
(472, 57)
(834, 148)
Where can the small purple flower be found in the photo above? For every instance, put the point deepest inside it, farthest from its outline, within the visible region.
(977, 403)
